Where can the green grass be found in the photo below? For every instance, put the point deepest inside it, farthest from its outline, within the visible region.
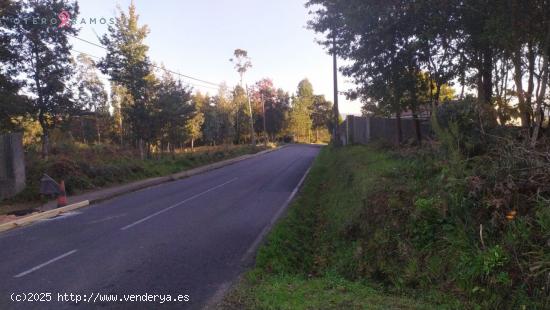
(294, 292)
(316, 257)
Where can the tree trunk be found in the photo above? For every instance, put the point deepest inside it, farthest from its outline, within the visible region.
(253, 134)
(414, 105)
(462, 84)
(45, 144)
(316, 134)
(524, 109)
(437, 94)
(149, 148)
(141, 150)
(97, 130)
(399, 129)
(45, 135)
(264, 121)
(192, 144)
(121, 130)
(82, 130)
(417, 128)
(238, 133)
(542, 92)
(486, 76)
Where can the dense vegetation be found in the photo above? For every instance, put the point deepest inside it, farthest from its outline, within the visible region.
(372, 223)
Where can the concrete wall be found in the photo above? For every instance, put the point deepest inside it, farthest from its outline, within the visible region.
(12, 165)
(362, 130)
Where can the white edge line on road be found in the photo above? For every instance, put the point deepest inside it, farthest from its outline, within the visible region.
(176, 205)
(33, 269)
(282, 209)
(220, 292)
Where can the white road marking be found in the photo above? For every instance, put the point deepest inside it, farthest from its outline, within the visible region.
(282, 209)
(176, 205)
(33, 269)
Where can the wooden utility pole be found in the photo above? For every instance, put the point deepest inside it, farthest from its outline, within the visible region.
(335, 132)
(263, 111)
(253, 142)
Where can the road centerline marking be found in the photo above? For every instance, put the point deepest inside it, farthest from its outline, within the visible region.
(176, 205)
(33, 269)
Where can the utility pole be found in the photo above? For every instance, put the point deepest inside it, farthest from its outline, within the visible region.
(251, 119)
(335, 131)
(263, 111)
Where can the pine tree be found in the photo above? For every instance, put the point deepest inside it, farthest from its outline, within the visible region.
(174, 109)
(128, 65)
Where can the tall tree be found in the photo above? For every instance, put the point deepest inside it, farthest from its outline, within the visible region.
(92, 95)
(211, 126)
(277, 110)
(46, 61)
(263, 97)
(321, 115)
(11, 103)
(242, 115)
(194, 124)
(121, 101)
(128, 65)
(300, 113)
(225, 115)
(242, 64)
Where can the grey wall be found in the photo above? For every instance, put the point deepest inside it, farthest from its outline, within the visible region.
(362, 130)
(12, 165)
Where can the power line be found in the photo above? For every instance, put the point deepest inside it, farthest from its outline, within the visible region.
(97, 57)
(153, 65)
(158, 67)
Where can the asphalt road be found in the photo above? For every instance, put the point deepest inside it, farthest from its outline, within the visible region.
(189, 237)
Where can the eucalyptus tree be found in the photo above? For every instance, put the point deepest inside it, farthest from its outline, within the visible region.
(242, 64)
(91, 93)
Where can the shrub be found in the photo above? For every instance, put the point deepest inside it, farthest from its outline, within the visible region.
(459, 125)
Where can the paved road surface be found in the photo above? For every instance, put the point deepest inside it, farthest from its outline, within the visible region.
(188, 237)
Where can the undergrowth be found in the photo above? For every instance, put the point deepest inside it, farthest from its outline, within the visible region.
(415, 223)
(87, 167)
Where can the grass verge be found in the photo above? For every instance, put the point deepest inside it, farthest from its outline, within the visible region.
(315, 257)
(379, 228)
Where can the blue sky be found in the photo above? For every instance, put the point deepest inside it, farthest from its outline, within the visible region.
(198, 37)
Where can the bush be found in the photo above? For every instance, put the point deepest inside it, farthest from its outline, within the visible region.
(460, 124)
